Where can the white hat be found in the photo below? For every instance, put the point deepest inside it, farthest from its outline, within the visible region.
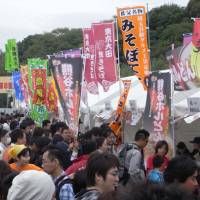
(31, 185)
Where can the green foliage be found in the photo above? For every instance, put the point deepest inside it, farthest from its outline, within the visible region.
(193, 8)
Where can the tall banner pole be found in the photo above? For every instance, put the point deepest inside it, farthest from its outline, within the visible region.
(172, 113)
(118, 67)
(148, 35)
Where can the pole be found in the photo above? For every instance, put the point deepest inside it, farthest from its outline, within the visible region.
(148, 35)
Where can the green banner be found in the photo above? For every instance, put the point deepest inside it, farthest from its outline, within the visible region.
(11, 56)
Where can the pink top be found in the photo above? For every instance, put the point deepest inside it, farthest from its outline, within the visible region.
(150, 163)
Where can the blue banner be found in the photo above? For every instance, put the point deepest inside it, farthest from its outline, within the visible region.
(16, 77)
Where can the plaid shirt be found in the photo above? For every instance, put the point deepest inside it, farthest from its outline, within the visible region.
(66, 191)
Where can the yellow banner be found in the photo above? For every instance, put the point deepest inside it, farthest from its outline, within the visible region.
(132, 23)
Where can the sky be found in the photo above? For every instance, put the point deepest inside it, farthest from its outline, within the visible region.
(21, 18)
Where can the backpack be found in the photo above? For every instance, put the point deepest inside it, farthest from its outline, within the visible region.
(62, 180)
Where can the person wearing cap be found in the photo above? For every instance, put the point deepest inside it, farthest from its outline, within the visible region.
(29, 185)
(196, 150)
(20, 155)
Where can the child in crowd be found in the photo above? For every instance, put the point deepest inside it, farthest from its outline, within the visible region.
(156, 175)
(20, 155)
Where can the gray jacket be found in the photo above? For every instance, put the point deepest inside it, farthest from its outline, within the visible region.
(134, 162)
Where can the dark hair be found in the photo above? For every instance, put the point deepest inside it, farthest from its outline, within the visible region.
(88, 146)
(141, 134)
(157, 192)
(41, 142)
(24, 152)
(54, 153)
(3, 132)
(26, 122)
(96, 131)
(99, 164)
(179, 169)
(79, 181)
(160, 144)
(38, 132)
(45, 122)
(64, 128)
(14, 124)
(16, 134)
(57, 138)
(100, 141)
(157, 161)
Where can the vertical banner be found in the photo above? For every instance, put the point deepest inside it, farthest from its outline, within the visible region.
(195, 55)
(24, 83)
(67, 73)
(158, 108)
(16, 83)
(115, 125)
(11, 56)
(89, 61)
(105, 60)
(52, 100)
(132, 23)
(39, 80)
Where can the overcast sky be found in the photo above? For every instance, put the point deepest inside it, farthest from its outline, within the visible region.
(20, 18)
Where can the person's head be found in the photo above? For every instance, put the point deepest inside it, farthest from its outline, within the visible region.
(79, 181)
(46, 124)
(52, 161)
(102, 144)
(196, 142)
(88, 146)
(142, 137)
(20, 154)
(182, 170)
(102, 171)
(27, 125)
(40, 143)
(96, 132)
(157, 161)
(161, 148)
(38, 132)
(5, 137)
(30, 185)
(13, 125)
(57, 127)
(18, 137)
(68, 135)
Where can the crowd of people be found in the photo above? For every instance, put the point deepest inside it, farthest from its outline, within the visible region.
(52, 162)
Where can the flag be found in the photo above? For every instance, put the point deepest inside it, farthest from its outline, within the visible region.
(67, 73)
(132, 23)
(89, 61)
(105, 60)
(16, 77)
(52, 100)
(115, 125)
(158, 108)
(11, 56)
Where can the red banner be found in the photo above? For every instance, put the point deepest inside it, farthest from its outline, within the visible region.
(105, 61)
(89, 53)
(39, 86)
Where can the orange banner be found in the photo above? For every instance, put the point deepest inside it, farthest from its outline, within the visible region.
(115, 125)
(132, 23)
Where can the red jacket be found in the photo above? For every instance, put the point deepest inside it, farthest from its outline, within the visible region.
(150, 163)
(79, 163)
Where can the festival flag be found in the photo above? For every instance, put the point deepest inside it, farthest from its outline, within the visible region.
(52, 100)
(158, 108)
(39, 79)
(89, 61)
(67, 73)
(115, 125)
(11, 56)
(132, 23)
(105, 60)
(16, 77)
